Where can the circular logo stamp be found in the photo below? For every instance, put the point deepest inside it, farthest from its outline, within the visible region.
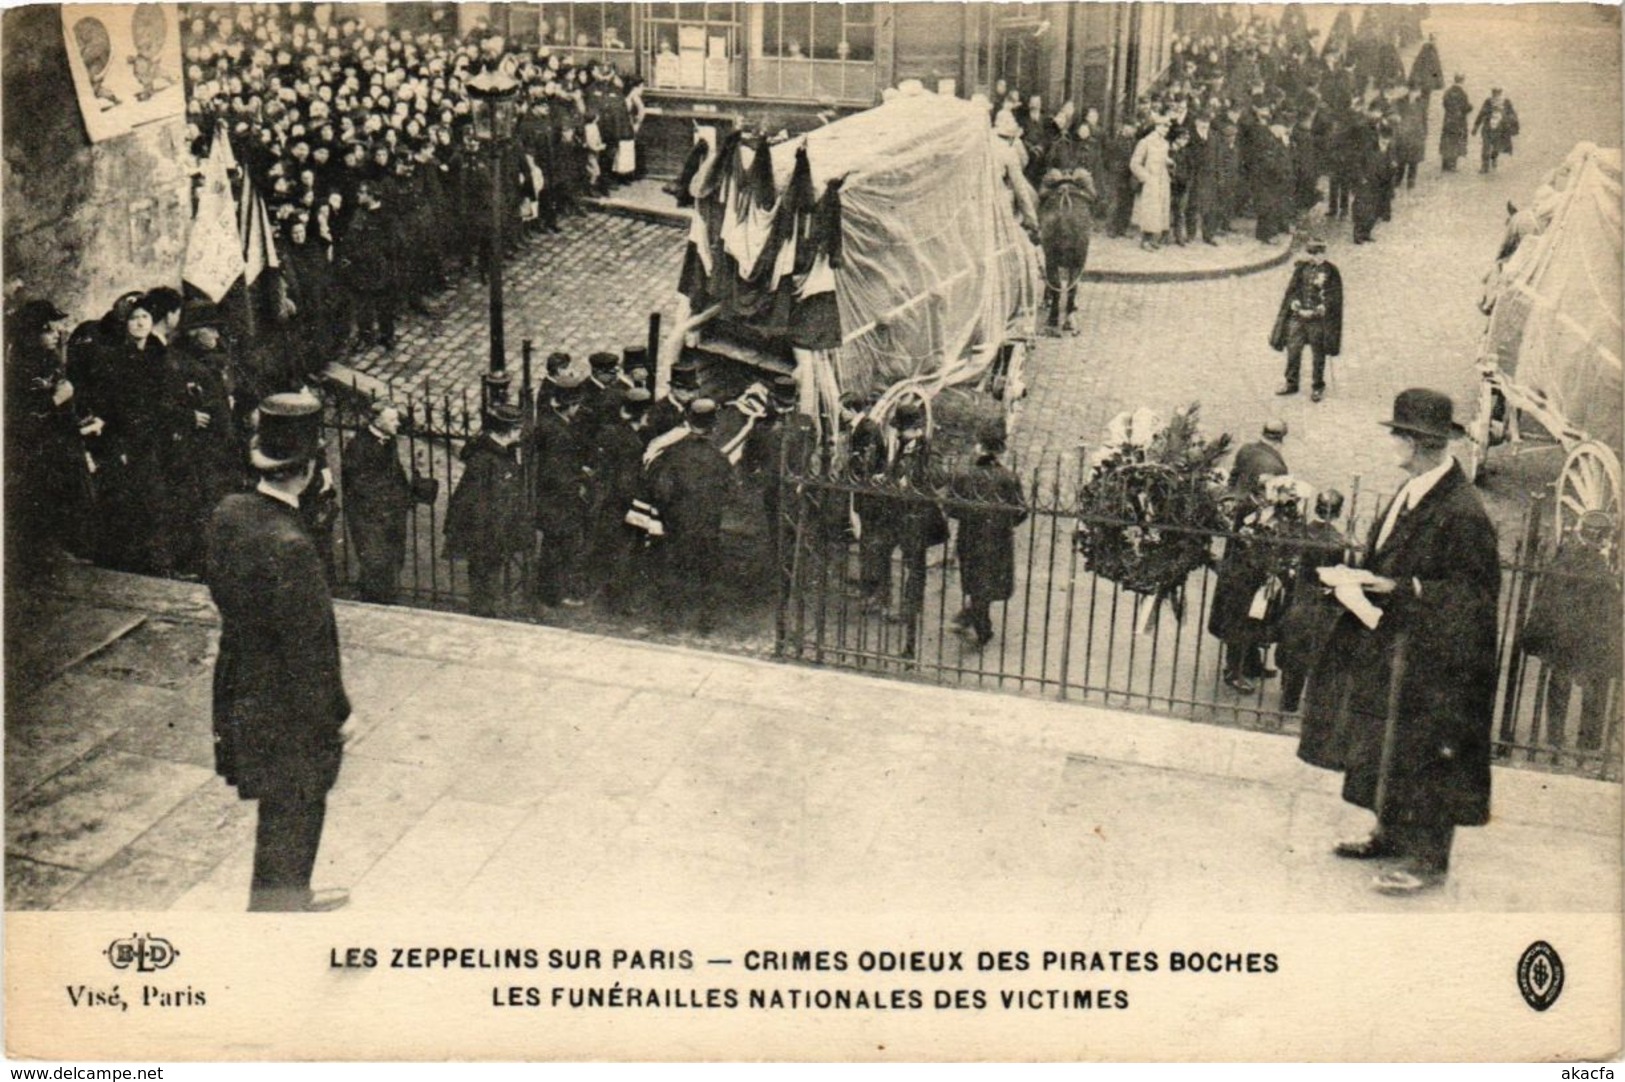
(1540, 975)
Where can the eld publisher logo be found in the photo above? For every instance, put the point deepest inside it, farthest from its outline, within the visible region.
(144, 953)
(1540, 975)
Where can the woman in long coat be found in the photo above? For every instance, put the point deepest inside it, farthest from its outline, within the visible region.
(1153, 203)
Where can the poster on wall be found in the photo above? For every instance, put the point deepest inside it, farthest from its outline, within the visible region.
(126, 64)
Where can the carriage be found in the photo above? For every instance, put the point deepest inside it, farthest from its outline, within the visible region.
(878, 255)
(1552, 343)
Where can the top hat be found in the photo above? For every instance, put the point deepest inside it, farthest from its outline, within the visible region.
(1420, 411)
(288, 433)
(633, 356)
(686, 373)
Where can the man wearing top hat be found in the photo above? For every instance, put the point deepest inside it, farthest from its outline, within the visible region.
(670, 411)
(279, 700)
(1402, 701)
(1310, 316)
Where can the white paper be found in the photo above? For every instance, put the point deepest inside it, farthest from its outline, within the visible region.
(1353, 598)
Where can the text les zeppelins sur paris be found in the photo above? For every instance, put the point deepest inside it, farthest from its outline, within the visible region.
(879, 979)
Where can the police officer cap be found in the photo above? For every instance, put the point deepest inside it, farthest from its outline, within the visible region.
(1275, 429)
(604, 362)
(786, 392)
(1596, 524)
(571, 376)
(502, 416)
(288, 433)
(909, 414)
(702, 413)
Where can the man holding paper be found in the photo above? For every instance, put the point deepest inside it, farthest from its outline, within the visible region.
(1401, 697)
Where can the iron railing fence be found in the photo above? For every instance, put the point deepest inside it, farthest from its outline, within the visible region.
(1065, 632)
(1071, 633)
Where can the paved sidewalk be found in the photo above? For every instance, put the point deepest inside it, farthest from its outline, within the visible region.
(511, 766)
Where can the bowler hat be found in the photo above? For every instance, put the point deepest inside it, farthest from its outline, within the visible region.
(288, 433)
(1420, 411)
(1275, 429)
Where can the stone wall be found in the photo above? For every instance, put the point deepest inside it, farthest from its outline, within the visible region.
(83, 222)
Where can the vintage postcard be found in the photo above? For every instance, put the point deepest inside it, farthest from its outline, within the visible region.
(812, 531)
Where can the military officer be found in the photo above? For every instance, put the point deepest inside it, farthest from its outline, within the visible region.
(1310, 316)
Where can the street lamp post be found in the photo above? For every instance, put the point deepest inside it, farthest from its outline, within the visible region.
(493, 92)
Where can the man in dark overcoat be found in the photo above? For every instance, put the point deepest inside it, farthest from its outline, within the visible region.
(488, 518)
(279, 700)
(1427, 73)
(991, 510)
(691, 482)
(1310, 316)
(1404, 707)
(1453, 130)
(378, 498)
(202, 461)
(560, 443)
(1311, 613)
(616, 462)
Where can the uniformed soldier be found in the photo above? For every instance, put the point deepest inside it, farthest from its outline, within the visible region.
(1310, 316)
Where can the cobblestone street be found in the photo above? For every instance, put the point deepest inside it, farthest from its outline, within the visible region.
(588, 288)
(1411, 315)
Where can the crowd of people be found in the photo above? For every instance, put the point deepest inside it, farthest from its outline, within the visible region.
(1257, 120)
(362, 142)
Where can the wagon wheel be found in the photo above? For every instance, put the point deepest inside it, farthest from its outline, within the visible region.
(1589, 482)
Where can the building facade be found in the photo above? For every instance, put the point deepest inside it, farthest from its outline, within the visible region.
(778, 65)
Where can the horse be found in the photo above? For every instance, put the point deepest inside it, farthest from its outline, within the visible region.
(1065, 208)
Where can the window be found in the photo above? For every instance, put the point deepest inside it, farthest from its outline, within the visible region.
(822, 31)
(822, 51)
(602, 31)
(693, 47)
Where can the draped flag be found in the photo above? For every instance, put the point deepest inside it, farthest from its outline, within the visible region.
(214, 250)
(259, 248)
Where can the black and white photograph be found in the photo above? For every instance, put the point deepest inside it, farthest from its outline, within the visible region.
(815, 531)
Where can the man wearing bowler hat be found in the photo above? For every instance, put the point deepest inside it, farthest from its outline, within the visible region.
(279, 703)
(1311, 316)
(1401, 700)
